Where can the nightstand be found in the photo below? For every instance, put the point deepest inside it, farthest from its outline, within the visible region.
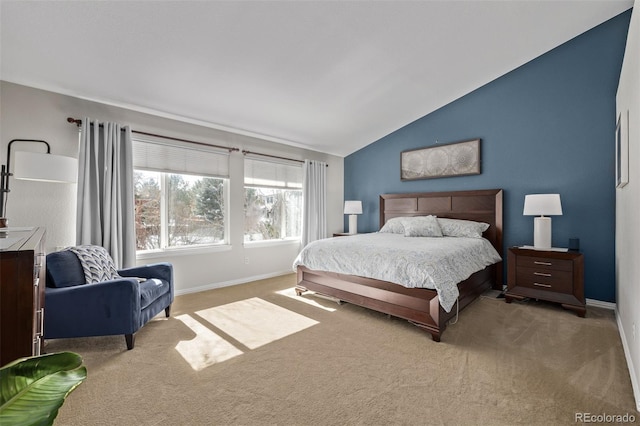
(341, 234)
(553, 276)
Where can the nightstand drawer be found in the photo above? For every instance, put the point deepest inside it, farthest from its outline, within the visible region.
(545, 279)
(544, 263)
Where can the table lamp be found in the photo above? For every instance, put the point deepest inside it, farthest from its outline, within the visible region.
(543, 205)
(353, 208)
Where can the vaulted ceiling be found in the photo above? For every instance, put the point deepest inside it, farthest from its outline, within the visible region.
(332, 76)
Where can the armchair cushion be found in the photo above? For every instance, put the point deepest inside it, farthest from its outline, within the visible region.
(159, 280)
(64, 270)
(151, 289)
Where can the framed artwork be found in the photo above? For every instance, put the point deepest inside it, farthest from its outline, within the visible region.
(442, 160)
(622, 150)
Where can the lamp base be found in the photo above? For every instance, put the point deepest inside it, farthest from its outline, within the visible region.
(542, 232)
(353, 224)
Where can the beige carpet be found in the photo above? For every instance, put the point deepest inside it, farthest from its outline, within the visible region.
(223, 359)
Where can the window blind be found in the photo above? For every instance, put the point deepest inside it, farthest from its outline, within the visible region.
(272, 174)
(180, 159)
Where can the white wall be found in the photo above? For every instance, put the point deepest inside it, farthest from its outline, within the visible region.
(628, 206)
(28, 113)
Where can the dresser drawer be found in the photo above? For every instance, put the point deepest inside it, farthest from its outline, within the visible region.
(544, 263)
(545, 279)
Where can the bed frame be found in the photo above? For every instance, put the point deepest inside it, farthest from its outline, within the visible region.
(418, 306)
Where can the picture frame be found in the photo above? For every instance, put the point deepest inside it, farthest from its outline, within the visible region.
(460, 158)
(622, 150)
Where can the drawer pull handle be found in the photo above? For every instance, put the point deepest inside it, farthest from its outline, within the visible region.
(542, 285)
(41, 330)
(542, 263)
(542, 274)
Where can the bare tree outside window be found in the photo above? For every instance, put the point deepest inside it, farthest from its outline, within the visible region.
(147, 214)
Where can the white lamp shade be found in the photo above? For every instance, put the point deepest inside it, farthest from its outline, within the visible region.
(45, 167)
(353, 207)
(542, 205)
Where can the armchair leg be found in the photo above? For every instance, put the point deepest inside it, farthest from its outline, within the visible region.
(131, 340)
(167, 311)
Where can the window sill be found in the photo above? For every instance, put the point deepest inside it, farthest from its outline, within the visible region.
(183, 251)
(269, 243)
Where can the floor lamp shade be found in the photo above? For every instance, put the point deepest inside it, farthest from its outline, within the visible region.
(542, 205)
(45, 167)
(353, 209)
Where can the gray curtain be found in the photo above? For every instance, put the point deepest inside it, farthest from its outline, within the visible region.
(314, 195)
(105, 212)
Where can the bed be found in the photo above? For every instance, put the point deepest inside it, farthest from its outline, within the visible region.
(420, 306)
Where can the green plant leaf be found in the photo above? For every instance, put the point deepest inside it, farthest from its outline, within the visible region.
(33, 389)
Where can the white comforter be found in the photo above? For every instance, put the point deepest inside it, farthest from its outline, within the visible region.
(435, 263)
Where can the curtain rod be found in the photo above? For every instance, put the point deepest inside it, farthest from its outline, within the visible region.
(78, 122)
(274, 156)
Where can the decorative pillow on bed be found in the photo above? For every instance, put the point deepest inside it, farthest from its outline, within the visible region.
(421, 226)
(393, 226)
(462, 228)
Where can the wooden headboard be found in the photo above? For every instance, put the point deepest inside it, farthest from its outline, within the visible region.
(483, 205)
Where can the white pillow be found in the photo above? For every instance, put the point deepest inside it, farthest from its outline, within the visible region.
(421, 226)
(393, 226)
(462, 228)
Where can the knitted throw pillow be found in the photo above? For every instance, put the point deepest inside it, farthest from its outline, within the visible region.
(96, 262)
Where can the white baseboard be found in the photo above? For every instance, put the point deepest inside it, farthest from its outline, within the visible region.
(632, 372)
(231, 282)
(601, 304)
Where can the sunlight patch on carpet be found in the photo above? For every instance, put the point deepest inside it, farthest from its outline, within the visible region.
(291, 292)
(207, 348)
(255, 322)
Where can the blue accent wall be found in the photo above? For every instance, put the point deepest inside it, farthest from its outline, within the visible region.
(546, 127)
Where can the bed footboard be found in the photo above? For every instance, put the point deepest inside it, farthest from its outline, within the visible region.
(417, 305)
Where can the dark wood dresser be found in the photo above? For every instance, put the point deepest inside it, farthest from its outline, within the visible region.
(22, 282)
(553, 276)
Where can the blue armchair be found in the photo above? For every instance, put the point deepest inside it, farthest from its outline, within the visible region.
(74, 308)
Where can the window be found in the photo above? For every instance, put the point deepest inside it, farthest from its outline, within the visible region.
(272, 200)
(180, 197)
